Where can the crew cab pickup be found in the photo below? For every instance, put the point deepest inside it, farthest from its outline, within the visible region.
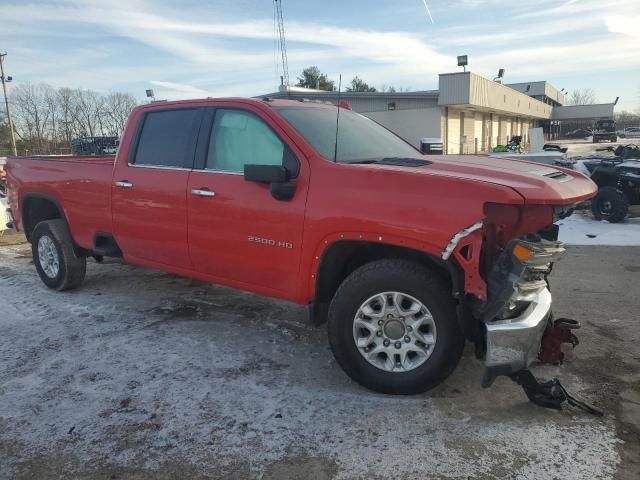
(405, 256)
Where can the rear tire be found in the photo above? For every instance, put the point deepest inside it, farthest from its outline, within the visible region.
(419, 287)
(610, 204)
(56, 262)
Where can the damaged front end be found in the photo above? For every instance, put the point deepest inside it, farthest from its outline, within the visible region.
(518, 308)
(509, 301)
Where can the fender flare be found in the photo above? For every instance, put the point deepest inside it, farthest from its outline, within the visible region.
(383, 239)
(43, 196)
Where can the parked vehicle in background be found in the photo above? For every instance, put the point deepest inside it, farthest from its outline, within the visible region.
(3, 182)
(514, 146)
(579, 133)
(405, 256)
(605, 130)
(618, 181)
(95, 146)
(630, 132)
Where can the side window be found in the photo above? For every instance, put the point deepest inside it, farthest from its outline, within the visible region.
(165, 138)
(238, 138)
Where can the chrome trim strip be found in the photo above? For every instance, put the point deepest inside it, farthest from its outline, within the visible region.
(221, 172)
(157, 167)
(453, 243)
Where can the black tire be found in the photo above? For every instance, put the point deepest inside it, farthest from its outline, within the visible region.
(610, 204)
(71, 270)
(412, 279)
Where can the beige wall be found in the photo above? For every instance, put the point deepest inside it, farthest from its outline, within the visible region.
(453, 132)
(412, 125)
(466, 88)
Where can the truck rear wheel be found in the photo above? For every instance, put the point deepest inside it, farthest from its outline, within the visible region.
(393, 328)
(56, 263)
(610, 204)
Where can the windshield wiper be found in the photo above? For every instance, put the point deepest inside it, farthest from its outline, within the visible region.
(398, 161)
(405, 161)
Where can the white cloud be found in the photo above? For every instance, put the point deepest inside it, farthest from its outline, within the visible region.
(221, 56)
(173, 90)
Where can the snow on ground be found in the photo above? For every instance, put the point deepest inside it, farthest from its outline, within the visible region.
(138, 367)
(582, 229)
(4, 218)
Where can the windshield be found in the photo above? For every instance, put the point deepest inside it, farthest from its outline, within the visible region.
(359, 138)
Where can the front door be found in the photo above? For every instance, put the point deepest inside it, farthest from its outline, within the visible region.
(238, 232)
(149, 200)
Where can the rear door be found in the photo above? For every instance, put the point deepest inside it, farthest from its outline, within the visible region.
(149, 199)
(238, 231)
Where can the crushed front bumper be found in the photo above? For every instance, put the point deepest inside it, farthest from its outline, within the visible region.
(519, 308)
(513, 344)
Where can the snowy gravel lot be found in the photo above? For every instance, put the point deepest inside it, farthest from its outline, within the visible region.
(140, 374)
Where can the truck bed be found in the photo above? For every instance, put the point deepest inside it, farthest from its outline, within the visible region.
(81, 186)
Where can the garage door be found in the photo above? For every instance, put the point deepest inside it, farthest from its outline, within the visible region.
(477, 132)
(505, 130)
(495, 130)
(453, 132)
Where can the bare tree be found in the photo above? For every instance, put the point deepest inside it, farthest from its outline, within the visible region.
(48, 119)
(32, 116)
(87, 110)
(583, 96)
(64, 97)
(116, 109)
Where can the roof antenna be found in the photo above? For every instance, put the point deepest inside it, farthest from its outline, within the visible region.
(335, 149)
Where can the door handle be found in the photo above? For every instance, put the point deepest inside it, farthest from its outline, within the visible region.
(124, 184)
(203, 193)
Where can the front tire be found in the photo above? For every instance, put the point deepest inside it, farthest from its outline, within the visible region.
(370, 328)
(56, 262)
(610, 204)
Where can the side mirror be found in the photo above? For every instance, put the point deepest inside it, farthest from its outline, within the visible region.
(265, 173)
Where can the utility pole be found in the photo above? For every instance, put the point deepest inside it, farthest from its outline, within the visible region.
(6, 80)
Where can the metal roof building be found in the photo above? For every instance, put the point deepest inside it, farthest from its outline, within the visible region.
(468, 112)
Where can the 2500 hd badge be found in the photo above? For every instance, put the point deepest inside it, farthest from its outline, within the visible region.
(269, 242)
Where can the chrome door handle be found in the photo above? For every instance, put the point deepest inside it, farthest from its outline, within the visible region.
(124, 184)
(203, 193)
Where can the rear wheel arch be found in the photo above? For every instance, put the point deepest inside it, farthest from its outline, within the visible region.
(38, 207)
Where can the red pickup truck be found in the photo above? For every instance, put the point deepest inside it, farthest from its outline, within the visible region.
(405, 256)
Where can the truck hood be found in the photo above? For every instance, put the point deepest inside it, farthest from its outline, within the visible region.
(536, 183)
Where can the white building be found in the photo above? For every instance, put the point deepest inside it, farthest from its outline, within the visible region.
(469, 113)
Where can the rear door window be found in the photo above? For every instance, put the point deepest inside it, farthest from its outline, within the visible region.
(167, 138)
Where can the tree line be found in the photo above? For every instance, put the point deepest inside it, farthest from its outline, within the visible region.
(47, 119)
(312, 77)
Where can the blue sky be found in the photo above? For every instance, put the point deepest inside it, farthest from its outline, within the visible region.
(196, 48)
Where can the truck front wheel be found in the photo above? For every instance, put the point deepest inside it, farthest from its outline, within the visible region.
(393, 328)
(56, 263)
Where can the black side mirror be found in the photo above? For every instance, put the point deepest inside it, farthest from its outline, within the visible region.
(265, 173)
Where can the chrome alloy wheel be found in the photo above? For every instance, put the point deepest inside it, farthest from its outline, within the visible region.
(394, 331)
(48, 257)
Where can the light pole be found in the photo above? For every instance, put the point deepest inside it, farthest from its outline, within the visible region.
(6, 80)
